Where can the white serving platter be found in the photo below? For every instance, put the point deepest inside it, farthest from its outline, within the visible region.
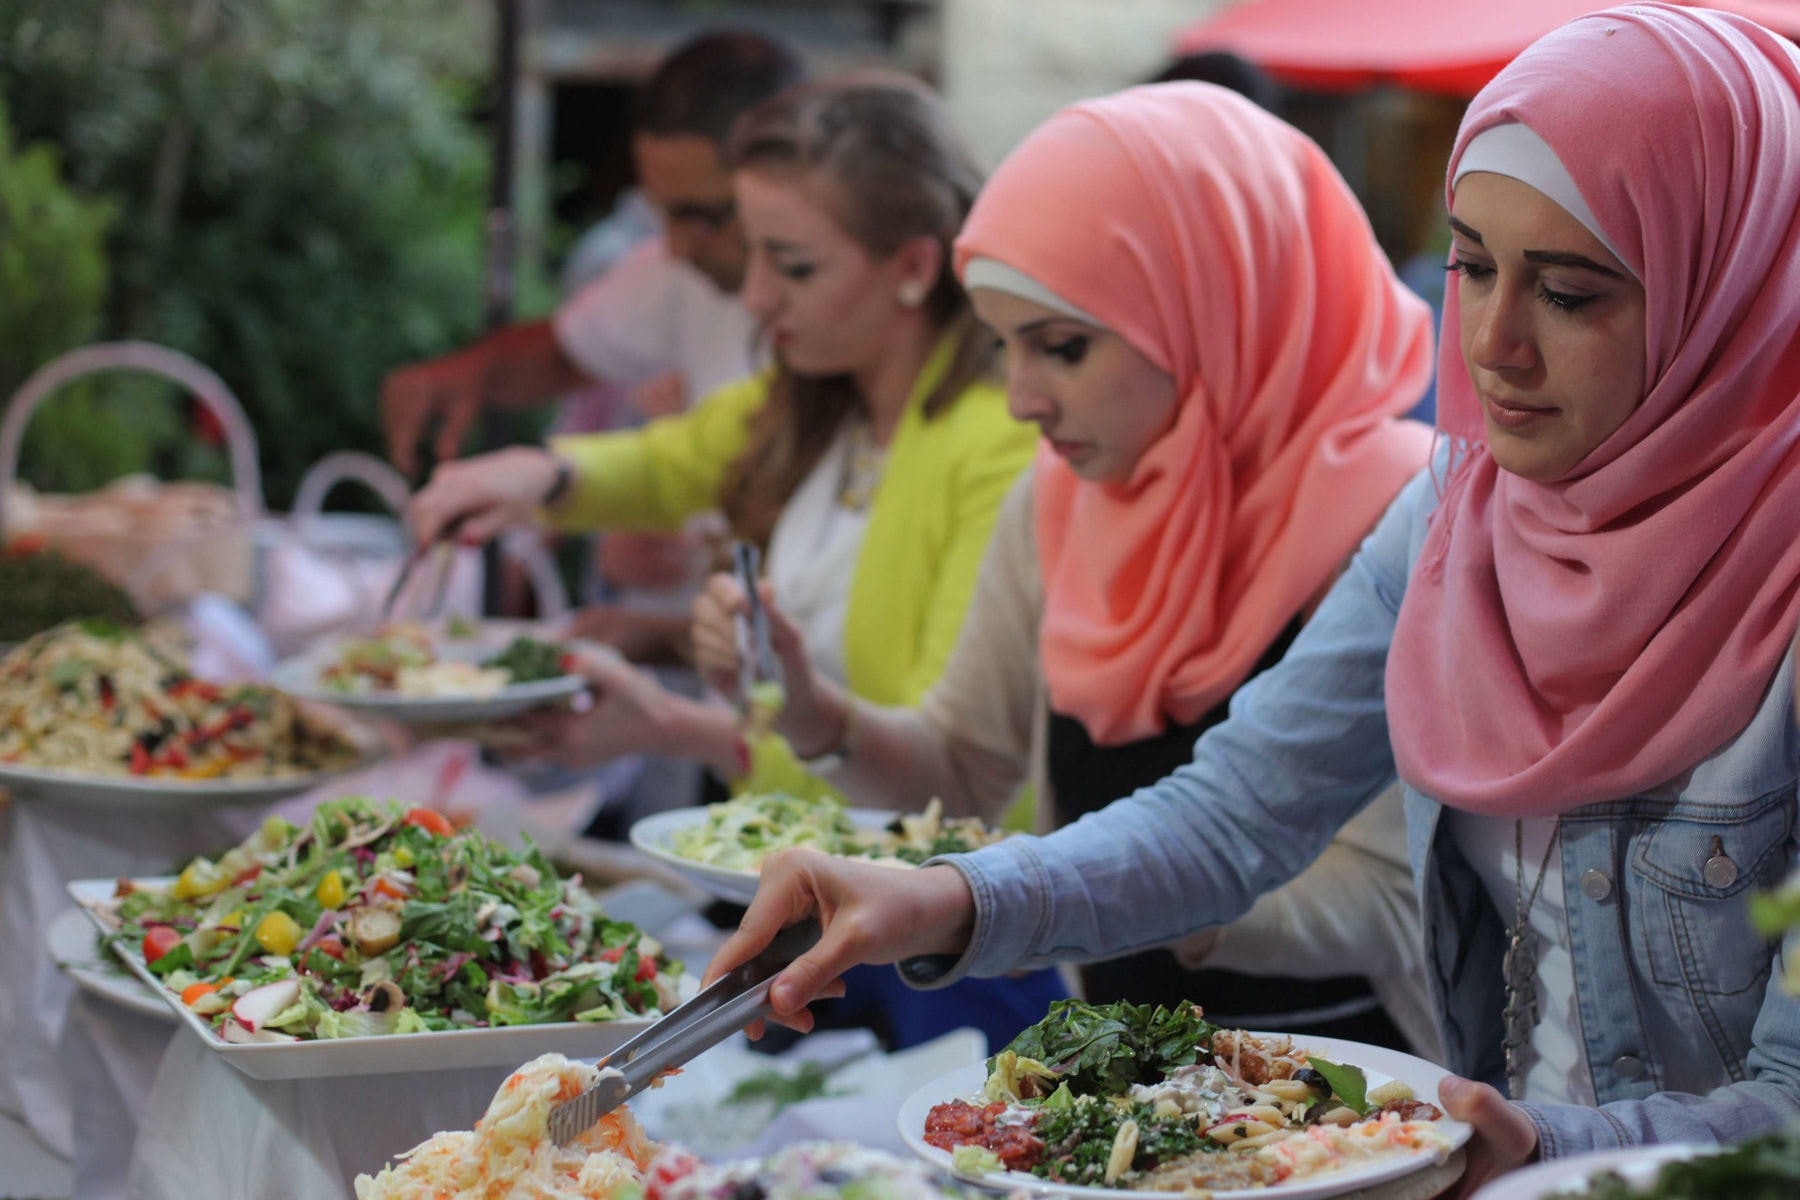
(70, 939)
(655, 836)
(454, 1049)
(1378, 1063)
(142, 793)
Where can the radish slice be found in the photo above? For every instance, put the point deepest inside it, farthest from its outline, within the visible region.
(235, 1033)
(259, 1005)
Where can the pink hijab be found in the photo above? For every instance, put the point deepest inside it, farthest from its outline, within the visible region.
(1587, 639)
(1223, 246)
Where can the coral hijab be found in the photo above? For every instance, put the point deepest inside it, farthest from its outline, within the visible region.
(1588, 639)
(1223, 246)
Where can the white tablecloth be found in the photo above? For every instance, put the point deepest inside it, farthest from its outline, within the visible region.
(209, 1130)
(42, 848)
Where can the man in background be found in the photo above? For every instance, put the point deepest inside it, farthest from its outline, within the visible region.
(665, 322)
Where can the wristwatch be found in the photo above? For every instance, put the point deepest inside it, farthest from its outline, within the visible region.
(559, 487)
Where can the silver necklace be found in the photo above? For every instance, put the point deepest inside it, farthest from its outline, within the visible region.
(1520, 965)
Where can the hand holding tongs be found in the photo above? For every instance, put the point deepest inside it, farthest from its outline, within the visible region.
(731, 1002)
(441, 551)
(756, 654)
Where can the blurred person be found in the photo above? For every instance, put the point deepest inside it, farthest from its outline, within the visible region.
(870, 461)
(1227, 70)
(1570, 640)
(670, 308)
(1216, 355)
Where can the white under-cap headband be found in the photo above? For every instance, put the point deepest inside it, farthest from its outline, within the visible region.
(992, 273)
(1518, 153)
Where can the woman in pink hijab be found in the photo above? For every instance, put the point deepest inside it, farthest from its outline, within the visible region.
(1574, 631)
(1216, 353)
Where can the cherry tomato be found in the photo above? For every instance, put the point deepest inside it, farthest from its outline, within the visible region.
(330, 944)
(430, 820)
(159, 940)
(646, 968)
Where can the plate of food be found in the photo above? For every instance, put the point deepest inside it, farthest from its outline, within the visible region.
(1768, 1165)
(458, 672)
(75, 947)
(1109, 1102)
(721, 846)
(95, 713)
(374, 939)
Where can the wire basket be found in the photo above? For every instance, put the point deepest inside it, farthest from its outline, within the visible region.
(162, 542)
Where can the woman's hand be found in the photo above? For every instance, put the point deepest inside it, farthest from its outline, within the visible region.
(485, 494)
(627, 716)
(812, 715)
(1505, 1138)
(867, 914)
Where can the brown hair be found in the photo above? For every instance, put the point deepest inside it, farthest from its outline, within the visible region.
(899, 172)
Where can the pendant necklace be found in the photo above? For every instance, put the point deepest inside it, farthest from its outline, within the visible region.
(1520, 964)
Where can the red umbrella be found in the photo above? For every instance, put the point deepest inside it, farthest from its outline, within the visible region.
(1451, 47)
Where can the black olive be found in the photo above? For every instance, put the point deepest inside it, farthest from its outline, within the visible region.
(1315, 1081)
(836, 1176)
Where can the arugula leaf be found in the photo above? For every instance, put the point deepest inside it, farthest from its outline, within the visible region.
(1348, 1084)
(1104, 1049)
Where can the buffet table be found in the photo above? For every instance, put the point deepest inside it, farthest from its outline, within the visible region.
(43, 846)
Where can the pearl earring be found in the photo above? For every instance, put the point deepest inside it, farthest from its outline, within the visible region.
(911, 294)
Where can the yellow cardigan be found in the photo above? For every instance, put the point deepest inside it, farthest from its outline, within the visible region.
(928, 522)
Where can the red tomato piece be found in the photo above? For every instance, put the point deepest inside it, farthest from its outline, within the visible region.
(159, 940)
(430, 820)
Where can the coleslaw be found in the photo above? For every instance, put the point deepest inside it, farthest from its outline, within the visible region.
(509, 1155)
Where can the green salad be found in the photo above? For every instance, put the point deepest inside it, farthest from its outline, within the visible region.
(374, 920)
(738, 834)
(1763, 1168)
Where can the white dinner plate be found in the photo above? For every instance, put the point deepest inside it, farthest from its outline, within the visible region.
(301, 676)
(1637, 1165)
(142, 793)
(71, 940)
(655, 836)
(505, 1046)
(1378, 1063)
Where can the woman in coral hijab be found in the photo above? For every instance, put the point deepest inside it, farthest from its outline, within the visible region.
(1216, 353)
(1574, 631)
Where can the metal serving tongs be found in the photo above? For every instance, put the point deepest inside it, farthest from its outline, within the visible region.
(759, 673)
(441, 551)
(731, 1002)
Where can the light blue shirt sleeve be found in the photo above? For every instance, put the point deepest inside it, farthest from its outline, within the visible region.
(1305, 748)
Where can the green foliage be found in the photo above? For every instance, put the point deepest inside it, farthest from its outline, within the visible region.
(52, 259)
(298, 186)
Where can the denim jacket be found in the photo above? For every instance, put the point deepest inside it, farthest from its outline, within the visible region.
(1688, 1033)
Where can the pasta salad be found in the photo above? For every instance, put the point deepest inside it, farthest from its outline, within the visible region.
(95, 698)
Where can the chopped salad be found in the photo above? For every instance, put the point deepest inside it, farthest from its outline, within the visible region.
(1151, 1099)
(373, 920)
(738, 834)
